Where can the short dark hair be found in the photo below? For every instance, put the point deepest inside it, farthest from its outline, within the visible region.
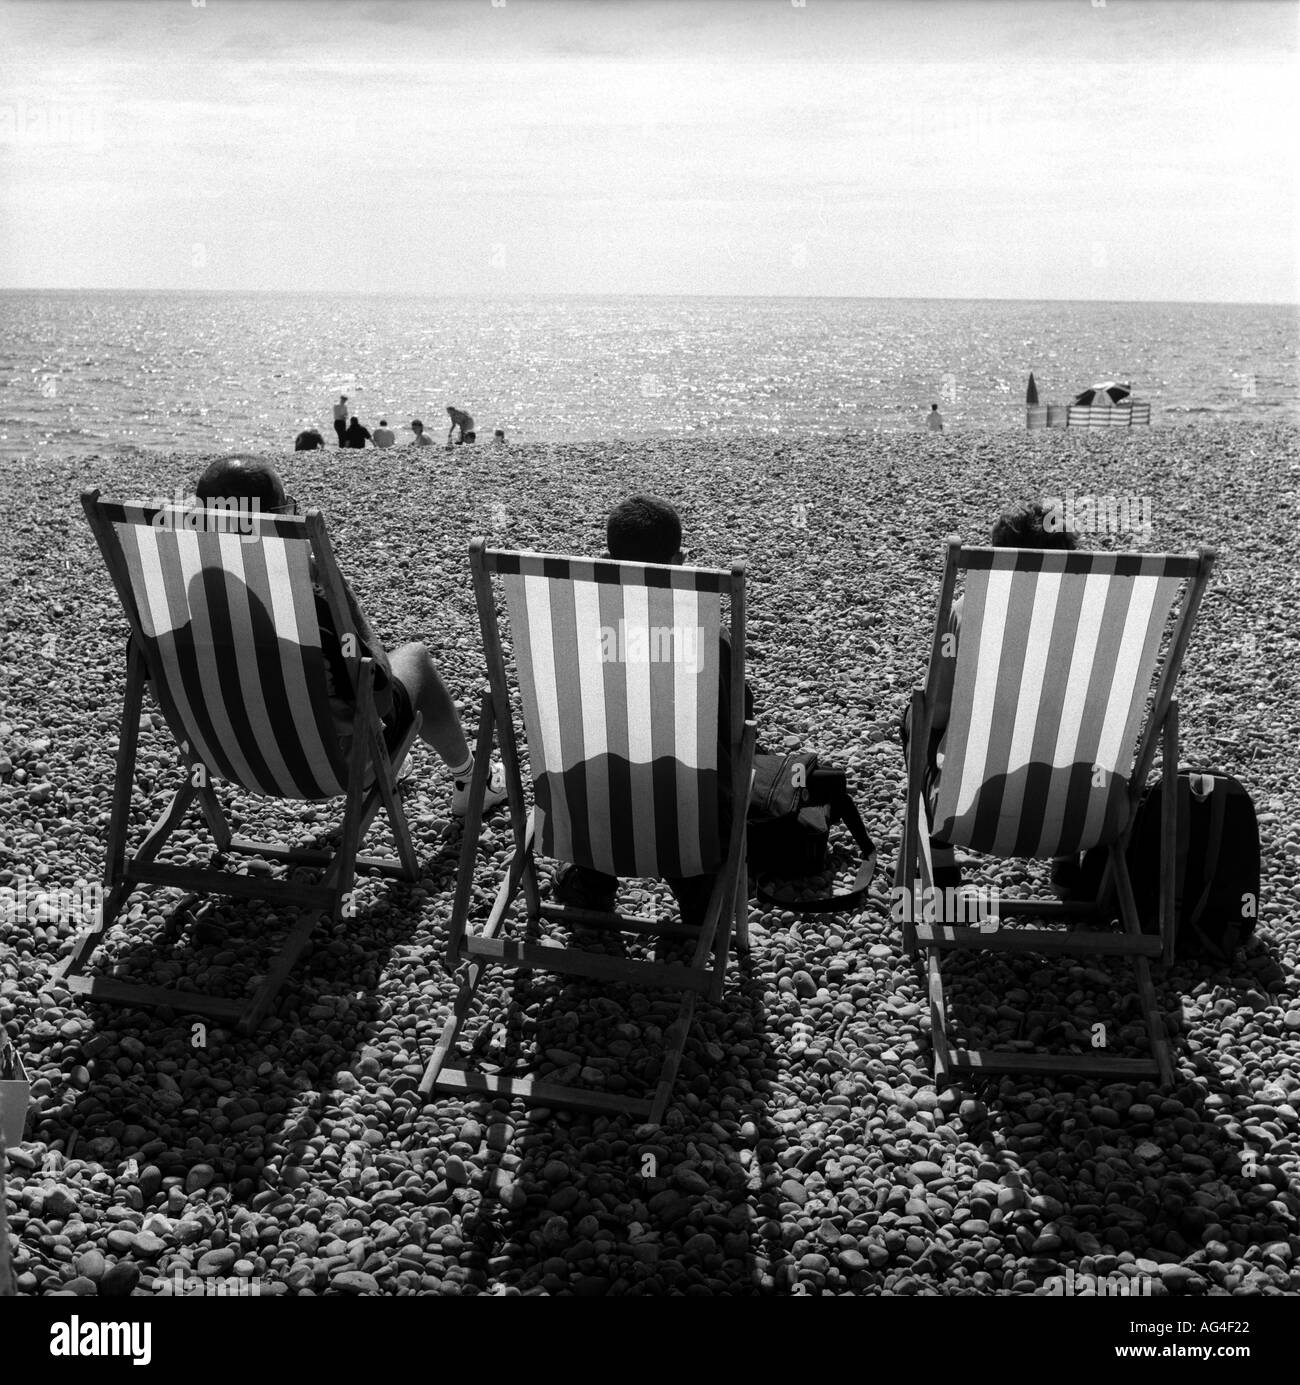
(242, 477)
(643, 529)
(1025, 527)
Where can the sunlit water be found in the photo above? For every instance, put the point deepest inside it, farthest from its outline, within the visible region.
(93, 372)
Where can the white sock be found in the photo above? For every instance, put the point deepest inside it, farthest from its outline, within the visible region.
(463, 771)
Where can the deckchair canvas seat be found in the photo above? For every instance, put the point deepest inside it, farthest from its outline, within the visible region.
(1047, 749)
(618, 667)
(225, 633)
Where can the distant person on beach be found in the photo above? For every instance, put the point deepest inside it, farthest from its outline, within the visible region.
(1023, 527)
(341, 419)
(934, 420)
(308, 441)
(357, 435)
(461, 421)
(384, 435)
(421, 438)
(499, 436)
(406, 680)
(643, 529)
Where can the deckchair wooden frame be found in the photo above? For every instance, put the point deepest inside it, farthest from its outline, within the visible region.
(925, 942)
(727, 910)
(371, 785)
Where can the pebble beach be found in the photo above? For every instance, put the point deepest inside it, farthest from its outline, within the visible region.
(806, 1150)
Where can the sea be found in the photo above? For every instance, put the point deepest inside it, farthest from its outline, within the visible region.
(101, 372)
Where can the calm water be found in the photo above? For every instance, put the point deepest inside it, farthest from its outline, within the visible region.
(82, 372)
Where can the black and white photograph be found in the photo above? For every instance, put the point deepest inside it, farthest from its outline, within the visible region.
(784, 779)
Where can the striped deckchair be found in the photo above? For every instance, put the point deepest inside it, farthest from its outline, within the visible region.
(619, 672)
(1045, 754)
(224, 629)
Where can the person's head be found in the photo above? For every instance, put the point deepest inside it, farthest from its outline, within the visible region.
(934, 408)
(643, 529)
(499, 435)
(417, 427)
(1032, 526)
(383, 423)
(451, 409)
(308, 441)
(244, 477)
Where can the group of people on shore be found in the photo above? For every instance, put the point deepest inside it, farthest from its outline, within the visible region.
(351, 432)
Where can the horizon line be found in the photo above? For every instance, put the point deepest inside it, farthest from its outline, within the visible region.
(335, 292)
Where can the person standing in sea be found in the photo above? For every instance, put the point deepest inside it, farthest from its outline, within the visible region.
(934, 420)
(341, 419)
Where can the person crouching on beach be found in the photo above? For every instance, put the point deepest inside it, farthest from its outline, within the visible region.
(421, 438)
(1023, 527)
(406, 680)
(357, 435)
(308, 441)
(644, 529)
(462, 421)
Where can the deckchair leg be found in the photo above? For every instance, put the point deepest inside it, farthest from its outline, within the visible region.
(163, 828)
(216, 819)
(1146, 991)
(938, 1021)
(385, 784)
(472, 826)
(905, 876)
(342, 874)
(675, 1041)
(742, 907)
(123, 781)
(1169, 836)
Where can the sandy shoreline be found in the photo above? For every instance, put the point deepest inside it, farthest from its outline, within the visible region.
(836, 1165)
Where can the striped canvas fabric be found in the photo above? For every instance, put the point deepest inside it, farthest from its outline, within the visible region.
(619, 674)
(1108, 415)
(233, 645)
(1055, 662)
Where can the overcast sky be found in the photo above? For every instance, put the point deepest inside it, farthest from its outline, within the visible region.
(1136, 149)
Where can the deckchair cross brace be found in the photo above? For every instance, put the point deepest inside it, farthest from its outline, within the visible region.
(620, 670)
(1042, 757)
(224, 630)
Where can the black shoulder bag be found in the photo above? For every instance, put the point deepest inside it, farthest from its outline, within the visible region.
(793, 804)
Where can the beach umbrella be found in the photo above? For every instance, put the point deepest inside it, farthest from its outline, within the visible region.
(1031, 394)
(1108, 392)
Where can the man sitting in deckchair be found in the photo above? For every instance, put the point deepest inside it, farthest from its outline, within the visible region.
(646, 530)
(406, 681)
(1023, 527)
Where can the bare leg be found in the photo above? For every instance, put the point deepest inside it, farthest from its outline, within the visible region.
(441, 729)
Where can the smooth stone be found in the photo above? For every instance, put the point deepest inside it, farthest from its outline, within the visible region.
(355, 1282)
(120, 1280)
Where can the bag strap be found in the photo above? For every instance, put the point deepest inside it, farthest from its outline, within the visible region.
(1213, 846)
(840, 805)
